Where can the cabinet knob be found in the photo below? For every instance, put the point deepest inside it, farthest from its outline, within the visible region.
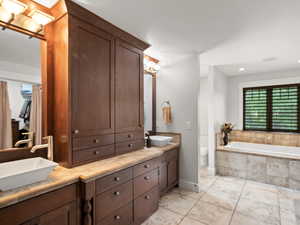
(76, 131)
(117, 217)
(130, 145)
(147, 197)
(147, 178)
(117, 193)
(97, 152)
(117, 178)
(129, 135)
(96, 141)
(147, 166)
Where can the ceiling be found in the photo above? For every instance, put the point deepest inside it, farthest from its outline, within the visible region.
(229, 33)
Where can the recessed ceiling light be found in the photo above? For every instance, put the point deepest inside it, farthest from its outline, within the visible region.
(299, 61)
(242, 69)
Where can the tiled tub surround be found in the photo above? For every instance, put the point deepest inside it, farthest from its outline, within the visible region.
(266, 169)
(261, 137)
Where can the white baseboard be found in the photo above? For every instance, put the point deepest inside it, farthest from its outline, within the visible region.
(189, 185)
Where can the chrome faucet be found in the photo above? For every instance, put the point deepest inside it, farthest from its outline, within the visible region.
(28, 141)
(49, 147)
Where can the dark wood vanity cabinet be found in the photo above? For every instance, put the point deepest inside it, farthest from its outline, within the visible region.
(169, 171)
(98, 83)
(127, 197)
(59, 207)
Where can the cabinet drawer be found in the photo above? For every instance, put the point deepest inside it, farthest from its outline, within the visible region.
(129, 146)
(145, 182)
(113, 199)
(92, 141)
(122, 216)
(172, 154)
(145, 205)
(146, 167)
(129, 136)
(93, 153)
(113, 180)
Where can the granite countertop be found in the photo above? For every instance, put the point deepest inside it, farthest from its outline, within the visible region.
(61, 176)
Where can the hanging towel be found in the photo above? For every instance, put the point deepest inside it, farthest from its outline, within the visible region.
(167, 115)
(5, 118)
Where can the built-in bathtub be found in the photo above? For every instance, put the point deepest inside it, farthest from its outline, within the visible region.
(264, 149)
(271, 164)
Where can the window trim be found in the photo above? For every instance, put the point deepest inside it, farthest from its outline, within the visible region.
(269, 107)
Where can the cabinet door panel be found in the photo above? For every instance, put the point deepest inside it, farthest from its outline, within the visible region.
(129, 88)
(92, 74)
(63, 216)
(163, 175)
(172, 172)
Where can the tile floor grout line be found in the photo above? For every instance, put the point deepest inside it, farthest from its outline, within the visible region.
(198, 200)
(279, 206)
(235, 207)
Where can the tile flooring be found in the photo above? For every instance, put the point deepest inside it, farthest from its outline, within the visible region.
(229, 201)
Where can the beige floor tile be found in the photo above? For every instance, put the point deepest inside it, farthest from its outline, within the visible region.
(164, 217)
(188, 221)
(206, 182)
(189, 194)
(258, 210)
(288, 199)
(239, 219)
(250, 185)
(220, 198)
(288, 217)
(227, 186)
(261, 195)
(177, 202)
(210, 214)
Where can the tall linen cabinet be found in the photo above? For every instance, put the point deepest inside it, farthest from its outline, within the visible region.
(98, 87)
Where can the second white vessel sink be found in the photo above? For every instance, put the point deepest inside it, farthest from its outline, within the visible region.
(24, 172)
(160, 140)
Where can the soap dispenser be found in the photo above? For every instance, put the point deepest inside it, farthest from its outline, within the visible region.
(148, 140)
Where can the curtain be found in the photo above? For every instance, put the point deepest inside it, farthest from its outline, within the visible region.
(35, 124)
(5, 118)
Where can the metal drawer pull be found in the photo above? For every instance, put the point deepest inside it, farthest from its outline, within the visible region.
(96, 141)
(147, 166)
(130, 145)
(97, 152)
(117, 217)
(117, 193)
(147, 178)
(76, 131)
(147, 197)
(117, 178)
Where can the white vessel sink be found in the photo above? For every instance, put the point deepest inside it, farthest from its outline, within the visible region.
(23, 172)
(160, 140)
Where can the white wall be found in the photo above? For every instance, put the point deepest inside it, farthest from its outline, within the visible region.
(217, 101)
(237, 83)
(179, 83)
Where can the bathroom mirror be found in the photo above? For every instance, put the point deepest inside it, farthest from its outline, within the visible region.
(20, 91)
(150, 102)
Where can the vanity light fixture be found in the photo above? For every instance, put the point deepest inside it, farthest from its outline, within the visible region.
(15, 7)
(12, 7)
(40, 17)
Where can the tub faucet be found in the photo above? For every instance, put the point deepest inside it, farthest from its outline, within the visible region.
(28, 141)
(49, 147)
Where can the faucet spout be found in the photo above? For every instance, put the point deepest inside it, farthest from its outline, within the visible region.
(28, 141)
(48, 146)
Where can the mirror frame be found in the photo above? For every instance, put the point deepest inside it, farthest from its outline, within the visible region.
(47, 81)
(153, 131)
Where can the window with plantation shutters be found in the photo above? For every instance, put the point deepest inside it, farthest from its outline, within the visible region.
(272, 108)
(255, 110)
